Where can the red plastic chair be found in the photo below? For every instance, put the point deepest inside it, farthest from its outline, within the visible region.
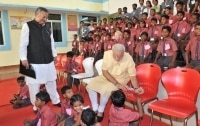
(58, 64)
(148, 76)
(182, 86)
(79, 60)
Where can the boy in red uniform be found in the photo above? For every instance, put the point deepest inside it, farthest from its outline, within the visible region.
(22, 99)
(75, 45)
(193, 48)
(143, 50)
(166, 50)
(45, 116)
(118, 115)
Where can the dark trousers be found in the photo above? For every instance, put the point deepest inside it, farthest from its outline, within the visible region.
(70, 80)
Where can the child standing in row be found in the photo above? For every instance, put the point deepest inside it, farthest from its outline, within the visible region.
(21, 99)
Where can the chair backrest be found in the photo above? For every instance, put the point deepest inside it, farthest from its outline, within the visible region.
(182, 83)
(88, 65)
(63, 60)
(79, 61)
(148, 76)
(98, 66)
(58, 58)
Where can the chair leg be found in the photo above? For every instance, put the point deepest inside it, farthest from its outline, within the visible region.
(171, 120)
(196, 114)
(185, 122)
(151, 120)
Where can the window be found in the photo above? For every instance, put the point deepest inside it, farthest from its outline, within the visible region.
(54, 22)
(1, 31)
(87, 19)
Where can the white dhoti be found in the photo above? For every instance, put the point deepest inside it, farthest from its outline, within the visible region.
(45, 74)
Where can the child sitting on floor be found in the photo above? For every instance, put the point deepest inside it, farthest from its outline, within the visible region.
(67, 93)
(118, 115)
(76, 102)
(45, 116)
(88, 118)
(22, 99)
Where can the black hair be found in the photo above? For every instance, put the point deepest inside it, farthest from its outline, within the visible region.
(197, 24)
(127, 31)
(168, 7)
(75, 35)
(76, 97)
(134, 5)
(168, 28)
(104, 19)
(39, 9)
(108, 34)
(145, 13)
(197, 15)
(65, 88)
(21, 78)
(153, 9)
(82, 22)
(144, 33)
(118, 98)
(43, 96)
(180, 3)
(125, 8)
(154, 19)
(88, 117)
(70, 54)
(165, 16)
(181, 12)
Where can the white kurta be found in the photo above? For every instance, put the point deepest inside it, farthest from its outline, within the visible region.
(44, 72)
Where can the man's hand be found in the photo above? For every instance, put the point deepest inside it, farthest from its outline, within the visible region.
(25, 64)
(121, 86)
(55, 60)
(139, 90)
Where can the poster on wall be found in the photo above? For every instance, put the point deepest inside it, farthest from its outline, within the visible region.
(17, 21)
(72, 22)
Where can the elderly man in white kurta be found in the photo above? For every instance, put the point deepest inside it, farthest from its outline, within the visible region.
(37, 49)
(117, 70)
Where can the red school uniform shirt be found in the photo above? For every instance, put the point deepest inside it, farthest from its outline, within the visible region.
(167, 46)
(97, 47)
(192, 46)
(71, 66)
(160, 30)
(140, 30)
(66, 107)
(75, 44)
(153, 32)
(47, 116)
(24, 92)
(129, 45)
(143, 45)
(180, 29)
(108, 45)
(120, 116)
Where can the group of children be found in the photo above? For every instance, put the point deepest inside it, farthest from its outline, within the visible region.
(73, 112)
(161, 39)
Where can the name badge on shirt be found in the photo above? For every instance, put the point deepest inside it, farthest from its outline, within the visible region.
(111, 27)
(146, 47)
(170, 21)
(39, 122)
(69, 111)
(178, 34)
(139, 37)
(106, 28)
(151, 39)
(183, 30)
(74, 43)
(167, 46)
(109, 47)
(184, 18)
(165, 54)
(129, 43)
(97, 45)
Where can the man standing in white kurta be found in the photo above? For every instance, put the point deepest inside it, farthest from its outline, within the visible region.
(37, 49)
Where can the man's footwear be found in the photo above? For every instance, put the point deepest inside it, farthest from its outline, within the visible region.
(100, 118)
(58, 105)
